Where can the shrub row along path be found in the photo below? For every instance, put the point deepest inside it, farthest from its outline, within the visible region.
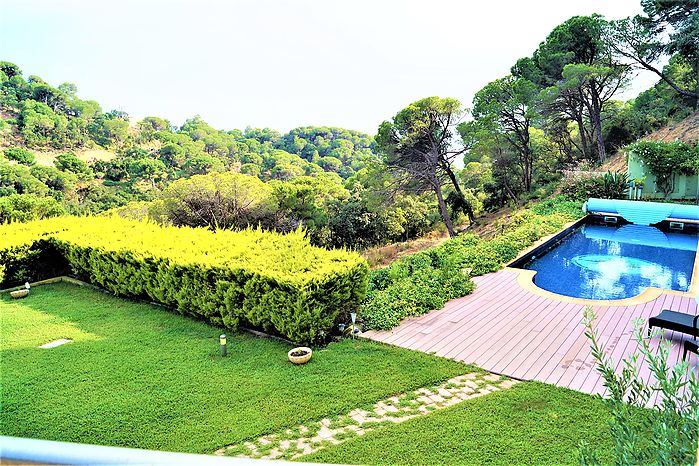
(309, 438)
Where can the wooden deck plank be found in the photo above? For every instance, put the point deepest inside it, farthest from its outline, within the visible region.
(610, 339)
(474, 319)
(579, 358)
(573, 327)
(484, 333)
(538, 344)
(624, 346)
(559, 338)
(505, 328)
(621, 340)
(490, 326)
(512, 345)
(441, 331)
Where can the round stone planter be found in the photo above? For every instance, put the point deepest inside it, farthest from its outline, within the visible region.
(19, 293)
(300, 355)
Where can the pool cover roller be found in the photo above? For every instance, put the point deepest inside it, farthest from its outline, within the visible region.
(641, 212)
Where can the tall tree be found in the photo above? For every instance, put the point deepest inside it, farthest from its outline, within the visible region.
(670, 27)
(10, 69)
(217, 201)
(505, 107)
(579, 74)
(417, 146)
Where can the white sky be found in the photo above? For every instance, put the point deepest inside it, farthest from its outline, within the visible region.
(281, 64)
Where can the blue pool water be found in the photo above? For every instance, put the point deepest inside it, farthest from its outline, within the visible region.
(611, 262)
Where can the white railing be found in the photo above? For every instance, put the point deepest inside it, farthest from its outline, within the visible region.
(27, 451)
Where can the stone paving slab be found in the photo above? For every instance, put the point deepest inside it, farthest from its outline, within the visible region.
(309, 438)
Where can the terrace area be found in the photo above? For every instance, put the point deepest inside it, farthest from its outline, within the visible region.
(509, 327)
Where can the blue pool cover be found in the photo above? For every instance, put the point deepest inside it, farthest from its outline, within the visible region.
(642, 213)
(610, 262)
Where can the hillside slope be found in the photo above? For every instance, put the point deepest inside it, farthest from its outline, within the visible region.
(686, 131)
(10, 137)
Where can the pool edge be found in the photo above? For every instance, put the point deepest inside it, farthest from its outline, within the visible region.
(543, 242)
(525, 278)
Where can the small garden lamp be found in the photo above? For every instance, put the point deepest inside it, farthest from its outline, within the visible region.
(353, 315)
(27, 285)
(222, 341)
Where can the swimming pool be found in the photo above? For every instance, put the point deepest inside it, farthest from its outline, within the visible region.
(599, 261)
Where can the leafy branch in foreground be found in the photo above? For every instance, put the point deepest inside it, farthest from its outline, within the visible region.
(673, 423)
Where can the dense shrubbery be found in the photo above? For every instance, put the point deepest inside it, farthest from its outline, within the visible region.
(561, 204)
(25, 207)
(412, 286)
(331, 214)
(425, 281)
(608, 185)
(279, 283)
(217, 201)
(19, 155)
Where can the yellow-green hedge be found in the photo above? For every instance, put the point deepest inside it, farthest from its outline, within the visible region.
(276, 282)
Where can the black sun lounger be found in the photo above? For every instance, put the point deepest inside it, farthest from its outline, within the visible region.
(677, 321)
(690, 345)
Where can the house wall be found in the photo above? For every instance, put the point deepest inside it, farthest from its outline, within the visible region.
(686, 187)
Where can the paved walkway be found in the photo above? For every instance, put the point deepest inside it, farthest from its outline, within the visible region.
(311, 437)
(508, 329)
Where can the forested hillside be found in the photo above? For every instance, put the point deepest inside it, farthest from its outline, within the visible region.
(557, 110)
(312, 176)
(559, 107)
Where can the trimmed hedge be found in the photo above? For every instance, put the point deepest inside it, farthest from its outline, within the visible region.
(421, 282)
(279, 283)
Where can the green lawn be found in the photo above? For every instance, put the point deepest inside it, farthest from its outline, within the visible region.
(531, 423)
(137, 375)
(140, 376)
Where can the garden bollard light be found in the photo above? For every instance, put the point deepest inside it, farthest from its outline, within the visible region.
(222, 341)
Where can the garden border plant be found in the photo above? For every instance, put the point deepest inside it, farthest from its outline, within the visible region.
(609, 185)
(668, 433)
(278, 283)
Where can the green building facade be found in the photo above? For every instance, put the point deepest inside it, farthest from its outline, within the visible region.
(685, 187)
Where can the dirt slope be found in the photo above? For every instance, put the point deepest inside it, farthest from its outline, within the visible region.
(686, 130)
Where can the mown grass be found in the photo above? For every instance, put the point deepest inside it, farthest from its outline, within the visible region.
(140, 376)
(529, 424)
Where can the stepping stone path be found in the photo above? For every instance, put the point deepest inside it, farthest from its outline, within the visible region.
(309, 438)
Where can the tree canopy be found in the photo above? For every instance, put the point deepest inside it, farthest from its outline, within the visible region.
(556, 110)
(417, 145)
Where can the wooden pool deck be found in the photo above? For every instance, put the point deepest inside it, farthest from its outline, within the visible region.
(512, 329)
